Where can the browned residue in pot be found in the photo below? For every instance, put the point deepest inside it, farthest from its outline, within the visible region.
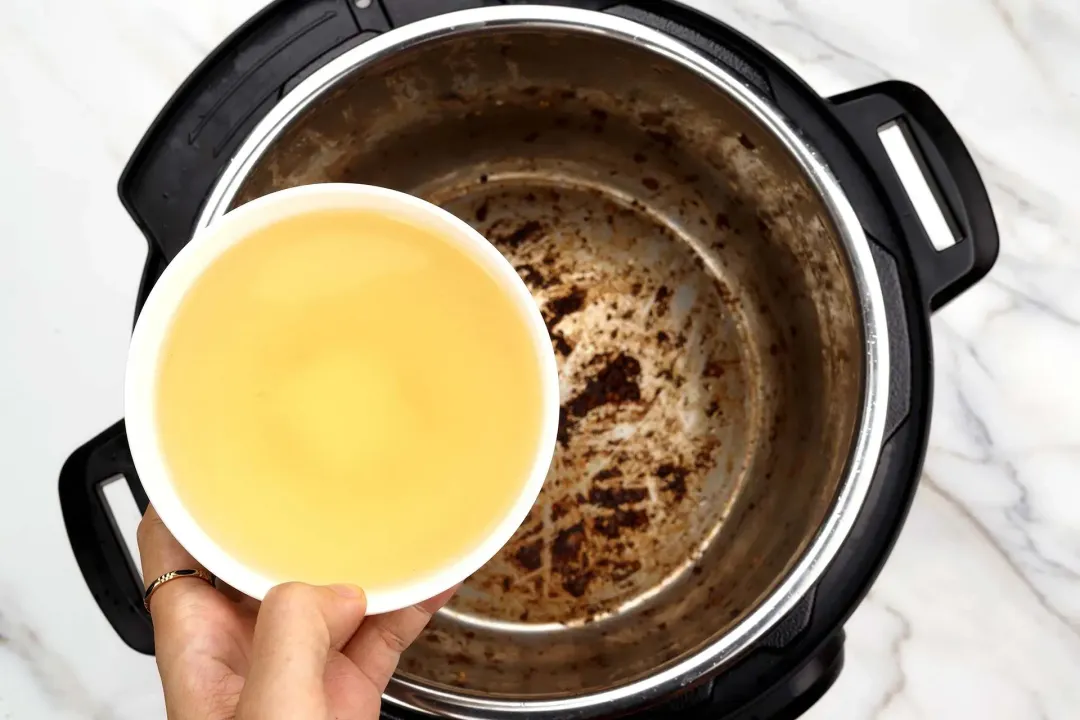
(635, 441)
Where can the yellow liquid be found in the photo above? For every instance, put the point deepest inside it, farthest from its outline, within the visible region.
(345, 398)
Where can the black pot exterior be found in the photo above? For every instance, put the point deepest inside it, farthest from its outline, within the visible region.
(184, 152)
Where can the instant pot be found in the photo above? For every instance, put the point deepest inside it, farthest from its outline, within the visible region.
(737, 284)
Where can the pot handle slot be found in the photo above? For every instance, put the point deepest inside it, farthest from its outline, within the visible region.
(932, 183)
(181, 156)
(96, 534)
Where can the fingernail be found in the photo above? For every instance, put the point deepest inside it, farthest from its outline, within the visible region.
(347, 591)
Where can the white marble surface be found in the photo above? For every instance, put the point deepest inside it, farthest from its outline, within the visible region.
(977, 614)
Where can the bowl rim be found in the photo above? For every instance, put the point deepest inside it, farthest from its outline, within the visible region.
(155, 321)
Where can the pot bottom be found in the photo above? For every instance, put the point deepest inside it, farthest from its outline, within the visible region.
(663, 398)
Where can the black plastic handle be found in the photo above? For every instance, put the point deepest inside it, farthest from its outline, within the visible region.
(950, 172)
(799, 691)
(191, 141)
(754, 697)
(95, 539)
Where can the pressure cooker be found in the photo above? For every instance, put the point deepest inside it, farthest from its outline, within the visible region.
(737, 278)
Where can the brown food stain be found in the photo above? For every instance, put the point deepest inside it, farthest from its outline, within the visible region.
(530, 557)
(612, 525)
(482, 212)
(524, 233)
(617, 382)
(569, 561)
(555, 310)
(532, 277)
(567, 546)
(613, 497)
(561, 344)
(674, 478)
(662, 300)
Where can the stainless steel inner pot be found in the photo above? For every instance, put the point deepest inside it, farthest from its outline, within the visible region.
(716, 316)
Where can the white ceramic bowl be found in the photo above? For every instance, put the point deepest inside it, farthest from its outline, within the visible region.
(155, 322)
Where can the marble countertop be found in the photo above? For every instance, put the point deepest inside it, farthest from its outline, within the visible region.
(976, 615)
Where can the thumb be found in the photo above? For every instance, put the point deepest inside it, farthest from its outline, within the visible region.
(297, 627)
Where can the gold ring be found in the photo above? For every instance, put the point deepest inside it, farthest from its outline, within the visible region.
(203, 575)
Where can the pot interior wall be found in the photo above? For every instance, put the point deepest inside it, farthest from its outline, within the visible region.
(704, 319)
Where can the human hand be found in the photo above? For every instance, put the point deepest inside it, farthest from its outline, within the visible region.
(306, 652)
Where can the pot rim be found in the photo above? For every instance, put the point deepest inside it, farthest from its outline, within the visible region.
(866, 446)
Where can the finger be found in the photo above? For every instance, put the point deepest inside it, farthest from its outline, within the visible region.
(161, 553)
(158, 549)
(377, 646)
(244, 603)
(297, 627)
